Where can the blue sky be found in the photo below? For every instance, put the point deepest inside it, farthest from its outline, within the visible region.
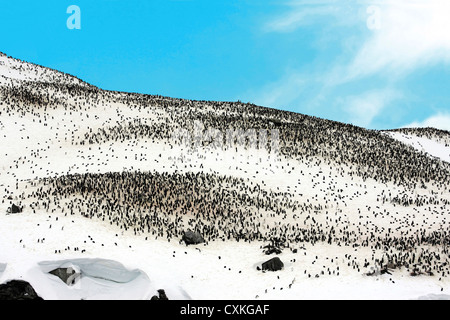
(376, 64)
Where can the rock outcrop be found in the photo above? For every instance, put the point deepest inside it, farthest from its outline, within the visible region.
(18, 290)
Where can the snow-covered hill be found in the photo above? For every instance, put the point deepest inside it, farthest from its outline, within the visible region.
(12, 69)
(103, 182)
(435, 143)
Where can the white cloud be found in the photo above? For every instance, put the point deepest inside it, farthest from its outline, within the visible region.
(280, 93)
(302, 13)
(362, 109)
(413, 34)
(409, 35)
(298, 17)
(438, 121)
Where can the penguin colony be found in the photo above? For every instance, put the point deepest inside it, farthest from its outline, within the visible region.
(223, 207)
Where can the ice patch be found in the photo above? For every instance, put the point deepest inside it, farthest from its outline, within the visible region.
(100, 279)
(2, 268)
(96, 268)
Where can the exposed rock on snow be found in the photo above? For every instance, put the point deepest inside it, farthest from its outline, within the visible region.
(191, 237)
(161, 295)
(68, 275)
(15, 209)
(18, 290)
(274, 264)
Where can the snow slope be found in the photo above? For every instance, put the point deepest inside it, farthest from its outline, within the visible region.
(432, 147)
(41, 139)
(14, 69)
(192, 273)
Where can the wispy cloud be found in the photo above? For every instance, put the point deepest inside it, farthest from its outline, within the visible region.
(439, 121)
(412, 34)
(300, 16)
(362, 109)
(329, 13)
(279, 93)
(409, 35)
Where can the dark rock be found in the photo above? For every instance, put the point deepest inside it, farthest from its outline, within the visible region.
(161, 296)
(191, 237)
(274, 264)
(18, 290)
(15, 209)
(68, 275)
